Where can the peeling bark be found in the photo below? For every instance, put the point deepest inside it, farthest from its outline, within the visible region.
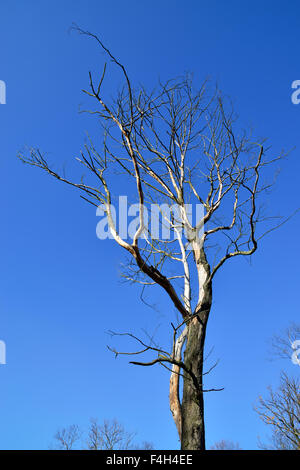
(174, 398)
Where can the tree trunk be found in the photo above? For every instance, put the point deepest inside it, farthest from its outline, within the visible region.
(192, 406)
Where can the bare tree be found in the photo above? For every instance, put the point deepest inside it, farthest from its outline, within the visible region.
(110, 435)
(281, 412)
(281, 409)
(66, 438)
(145, 445)
(178, 147)
(225, 445)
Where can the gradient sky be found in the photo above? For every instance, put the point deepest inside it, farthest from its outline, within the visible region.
(60, 290)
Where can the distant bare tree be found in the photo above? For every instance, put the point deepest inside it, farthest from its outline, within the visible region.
(145, 445)
(110, 435)
(225, 445)
(281, 412)
(176, 146)
(66, 438)
(281, 409)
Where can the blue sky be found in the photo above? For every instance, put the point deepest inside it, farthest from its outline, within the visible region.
(60, 291)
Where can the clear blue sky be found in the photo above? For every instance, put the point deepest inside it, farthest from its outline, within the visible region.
(59, 290)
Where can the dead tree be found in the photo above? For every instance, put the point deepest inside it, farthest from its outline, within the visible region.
(178, 147)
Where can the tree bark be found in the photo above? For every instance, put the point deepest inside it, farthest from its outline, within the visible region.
(192, 406)
(175, 405)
